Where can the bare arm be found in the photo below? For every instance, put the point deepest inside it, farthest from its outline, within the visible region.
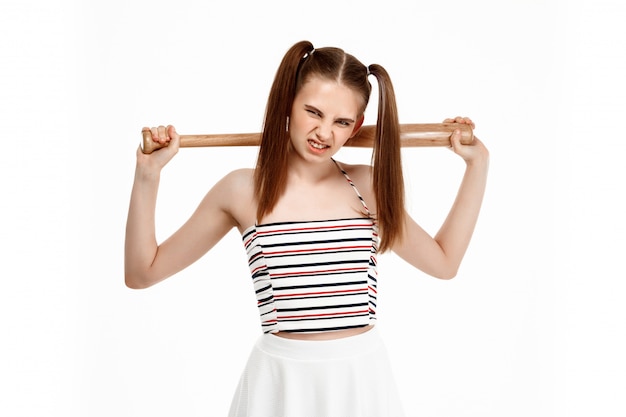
(146, 262)
(441, 255)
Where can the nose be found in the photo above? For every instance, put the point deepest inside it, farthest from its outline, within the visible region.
(324, 131)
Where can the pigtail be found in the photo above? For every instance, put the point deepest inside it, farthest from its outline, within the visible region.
(388, 180)
(270, 176)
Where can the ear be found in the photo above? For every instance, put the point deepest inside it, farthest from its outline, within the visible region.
(357, 126)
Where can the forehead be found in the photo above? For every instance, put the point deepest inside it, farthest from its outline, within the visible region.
(321, 92)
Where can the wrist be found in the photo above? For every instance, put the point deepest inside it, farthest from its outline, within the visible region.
(146, 173)
(480, 160)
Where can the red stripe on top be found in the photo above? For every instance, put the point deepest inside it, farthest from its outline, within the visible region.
(321, 271)
(319, 293)
(342, 313)
(300, 229)
(317, 250)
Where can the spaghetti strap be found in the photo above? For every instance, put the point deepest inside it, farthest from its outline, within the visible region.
(356, 190)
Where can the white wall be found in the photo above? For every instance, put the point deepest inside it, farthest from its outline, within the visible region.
(534, 323)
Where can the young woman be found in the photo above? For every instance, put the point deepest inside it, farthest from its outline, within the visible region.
(312, 228)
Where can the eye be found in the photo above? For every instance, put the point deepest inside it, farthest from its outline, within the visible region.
(344, 123)
(313, 112)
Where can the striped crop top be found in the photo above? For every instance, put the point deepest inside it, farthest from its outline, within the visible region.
(314, 276)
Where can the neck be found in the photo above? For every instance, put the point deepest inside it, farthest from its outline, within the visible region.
(303, 170)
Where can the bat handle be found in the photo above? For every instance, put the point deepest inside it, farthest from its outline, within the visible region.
(147, 144)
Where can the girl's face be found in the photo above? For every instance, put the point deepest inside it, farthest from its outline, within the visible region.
(324, 116)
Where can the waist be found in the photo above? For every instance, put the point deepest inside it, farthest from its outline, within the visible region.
(339, 334)
(311, 349)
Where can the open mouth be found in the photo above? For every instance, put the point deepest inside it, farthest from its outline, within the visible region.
(318, 145)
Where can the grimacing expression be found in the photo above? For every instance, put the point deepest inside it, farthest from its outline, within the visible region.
(324, 115)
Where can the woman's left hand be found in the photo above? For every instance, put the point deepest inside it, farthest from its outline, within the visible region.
(474, 152)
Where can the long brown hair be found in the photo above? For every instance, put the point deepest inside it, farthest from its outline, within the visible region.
(300, 63)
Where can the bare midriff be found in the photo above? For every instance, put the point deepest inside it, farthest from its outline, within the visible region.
(324, 335)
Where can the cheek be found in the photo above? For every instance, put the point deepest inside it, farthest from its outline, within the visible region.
(299, 123)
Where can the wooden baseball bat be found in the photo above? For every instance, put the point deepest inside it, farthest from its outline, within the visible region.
(425, 134)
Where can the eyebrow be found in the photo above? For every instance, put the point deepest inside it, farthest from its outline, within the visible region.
(343, 119)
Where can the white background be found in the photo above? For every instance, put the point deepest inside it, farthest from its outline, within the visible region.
(534, 324)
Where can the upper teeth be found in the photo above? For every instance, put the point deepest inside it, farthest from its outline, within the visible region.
(317, 145)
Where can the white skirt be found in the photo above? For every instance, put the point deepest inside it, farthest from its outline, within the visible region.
(347, 377)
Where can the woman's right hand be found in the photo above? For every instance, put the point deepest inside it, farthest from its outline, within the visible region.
(166, 137)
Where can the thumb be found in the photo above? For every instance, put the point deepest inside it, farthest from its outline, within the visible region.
(455, 140)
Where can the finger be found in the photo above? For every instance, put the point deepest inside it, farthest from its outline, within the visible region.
(174, 138)
(171, 132)
(155, 134)
(457, 119)
(468, 121)
(162, 131)
(461, 119)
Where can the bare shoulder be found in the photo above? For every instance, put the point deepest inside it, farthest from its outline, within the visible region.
(243, 177)
(236, 187)
(235, 192)
(359, 173)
